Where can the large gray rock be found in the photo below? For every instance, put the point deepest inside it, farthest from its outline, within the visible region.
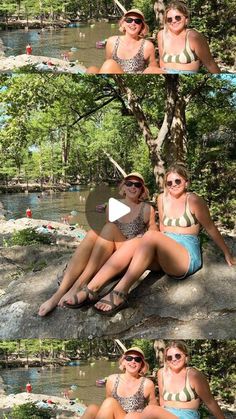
(201, 306)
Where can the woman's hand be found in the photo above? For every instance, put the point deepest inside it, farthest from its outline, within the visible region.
(230, 259)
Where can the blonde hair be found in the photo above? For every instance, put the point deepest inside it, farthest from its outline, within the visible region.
(144, 28)
(179, 344)
(178, 5)
(144, 366)
(178, 168)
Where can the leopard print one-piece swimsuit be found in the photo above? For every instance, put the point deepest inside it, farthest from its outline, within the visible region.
(136, 64)
(135, 403)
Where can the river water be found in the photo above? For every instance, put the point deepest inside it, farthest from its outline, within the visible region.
(53, 43)
(55, 206)
(57, 380)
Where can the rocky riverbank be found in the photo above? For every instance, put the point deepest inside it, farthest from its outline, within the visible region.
(39, 64)
(60, 233)
(58, 406)
(158, 306)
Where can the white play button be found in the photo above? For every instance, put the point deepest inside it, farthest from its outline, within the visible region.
(116, 209)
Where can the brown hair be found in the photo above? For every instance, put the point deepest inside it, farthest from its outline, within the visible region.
(144, 28)
(178, 5)
(180, 344)
(144, 365)
(179, 168)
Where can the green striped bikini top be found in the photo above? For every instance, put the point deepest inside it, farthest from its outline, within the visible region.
(186, 220)
(185, 395)
(186, 56)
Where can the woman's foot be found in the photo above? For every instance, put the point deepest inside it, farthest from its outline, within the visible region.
(112, 303)
(85, 297)
(68, 296)
(48, 305)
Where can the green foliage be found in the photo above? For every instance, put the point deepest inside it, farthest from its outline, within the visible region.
(29, 410)
(28, 236)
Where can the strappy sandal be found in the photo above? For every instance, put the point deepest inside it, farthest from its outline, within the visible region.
(87, 301)
(96, 295)
(115, 308)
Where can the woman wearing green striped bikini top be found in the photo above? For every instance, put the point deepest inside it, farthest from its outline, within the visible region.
(180, 49)
(181, 388)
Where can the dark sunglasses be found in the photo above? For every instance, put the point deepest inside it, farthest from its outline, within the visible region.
(177, 18)
(137, 20)
(174, 182)
(136, 184)
(176, 356)
(130, 358)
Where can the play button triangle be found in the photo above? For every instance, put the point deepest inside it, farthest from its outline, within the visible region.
(116, 209)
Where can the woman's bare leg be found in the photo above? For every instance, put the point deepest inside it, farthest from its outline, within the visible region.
(91, 412)
(154, 251)
(92, 70)
(156, 412)
(118, 261)
(75, 267)
(111, 67)
(109, 239)
(110, 409)
(153, 70)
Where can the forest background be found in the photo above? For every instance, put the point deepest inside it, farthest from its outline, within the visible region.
(214, 18)
(215, 358)
(67, 128)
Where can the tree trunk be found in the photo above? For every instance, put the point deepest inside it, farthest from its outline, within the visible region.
(172, 135)
(152, 143)
(159, 9)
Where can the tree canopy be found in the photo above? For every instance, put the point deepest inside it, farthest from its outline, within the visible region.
(52, 126)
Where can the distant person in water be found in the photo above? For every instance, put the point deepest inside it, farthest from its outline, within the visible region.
(131, 52)
(182, 50)
(29, 49)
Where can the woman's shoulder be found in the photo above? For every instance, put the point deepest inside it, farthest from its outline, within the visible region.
(195, 199)
(112, 39)
(194, 373)
(194, 35)
(112, 378)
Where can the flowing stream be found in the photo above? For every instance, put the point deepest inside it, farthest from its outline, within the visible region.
(54, 43)
(57, 381)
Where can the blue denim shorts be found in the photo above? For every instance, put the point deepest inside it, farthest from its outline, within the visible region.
(192, 243)
(174, 71)
(183, 413)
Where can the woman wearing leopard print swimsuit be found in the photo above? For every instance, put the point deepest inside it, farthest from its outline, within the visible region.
(96, 249)
(127, 392)
(129, 53)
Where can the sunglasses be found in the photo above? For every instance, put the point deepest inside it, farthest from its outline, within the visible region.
(137, 20)
(177, 18)
(174, 182)
(130, 358)
(129, 183)
(176, 356)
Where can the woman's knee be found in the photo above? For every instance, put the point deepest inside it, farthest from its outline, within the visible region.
(91, 412)
(92, 70)
(151, 412)
(110, 66)
(109, 402)
(151, 237)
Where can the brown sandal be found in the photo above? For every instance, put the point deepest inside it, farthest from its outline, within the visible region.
(115, 308)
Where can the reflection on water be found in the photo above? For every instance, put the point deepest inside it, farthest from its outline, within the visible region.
(50, 207)
(56, 380)
(54, 43)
